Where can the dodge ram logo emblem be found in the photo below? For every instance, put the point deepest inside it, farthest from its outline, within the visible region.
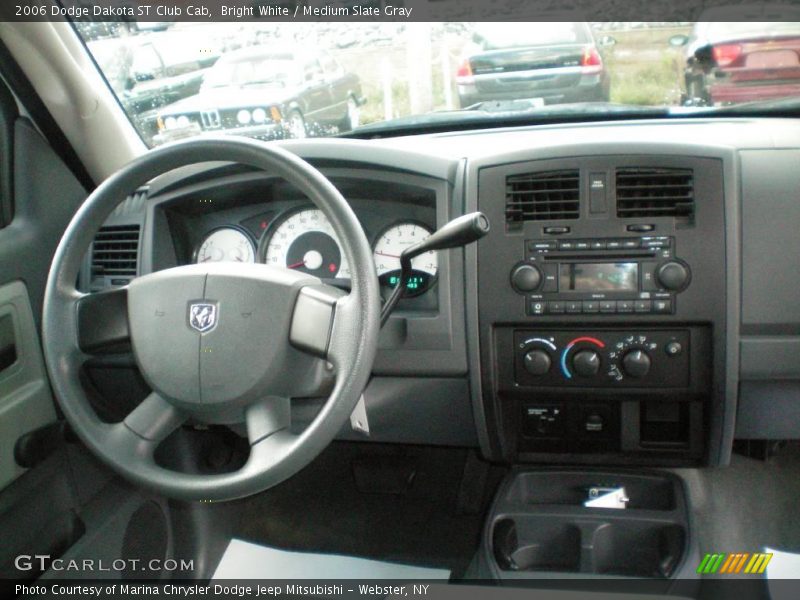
(202, 316)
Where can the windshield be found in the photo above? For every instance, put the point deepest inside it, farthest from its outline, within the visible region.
(250, 70)
(279, 80)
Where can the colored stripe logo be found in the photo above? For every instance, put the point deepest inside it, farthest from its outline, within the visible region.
(733, 563)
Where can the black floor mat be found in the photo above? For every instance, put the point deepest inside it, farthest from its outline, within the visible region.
(747, 505)
(325, 509)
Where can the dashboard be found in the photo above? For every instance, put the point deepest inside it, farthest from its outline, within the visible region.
(620, 311)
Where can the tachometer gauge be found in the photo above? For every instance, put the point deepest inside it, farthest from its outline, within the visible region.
(226, 244)
(305, 241)
(387, 251)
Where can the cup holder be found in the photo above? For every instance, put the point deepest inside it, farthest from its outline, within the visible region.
(536, 545)
(638, 549)
(539, 523)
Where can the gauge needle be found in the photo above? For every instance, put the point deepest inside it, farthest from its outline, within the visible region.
(384, 254)
(296, 265)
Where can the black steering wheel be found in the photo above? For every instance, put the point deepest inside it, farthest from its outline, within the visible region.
(222, 343)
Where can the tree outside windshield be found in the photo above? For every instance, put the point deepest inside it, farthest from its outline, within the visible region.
(275, 81)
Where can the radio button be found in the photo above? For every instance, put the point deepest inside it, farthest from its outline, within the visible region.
(536, 306)
(614, 244)
(542, 245)
(642, 306)
(628, 244)
(581, 245)
(608, 306)
(649, 281)
(624, 306)
(566, 245)
(598, 245)
(550, 278)
(591, 306)
(555, 307)
(656, 243)
(662, 306)
(574, 307)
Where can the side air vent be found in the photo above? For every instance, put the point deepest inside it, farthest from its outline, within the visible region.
(544, 196)
(115, 251)
(655, 192)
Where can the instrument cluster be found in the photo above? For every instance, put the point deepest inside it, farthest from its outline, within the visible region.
(304, 239)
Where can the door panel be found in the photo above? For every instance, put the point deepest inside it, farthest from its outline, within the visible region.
(25, 400)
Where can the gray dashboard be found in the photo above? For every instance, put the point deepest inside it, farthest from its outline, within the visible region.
(428, 385)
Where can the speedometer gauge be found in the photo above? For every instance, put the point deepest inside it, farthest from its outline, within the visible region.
(387, 251)
(226, 244)
(306, 241)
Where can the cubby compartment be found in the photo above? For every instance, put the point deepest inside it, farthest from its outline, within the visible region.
(572, 488)
(536, 545)
(638, 549)
(539, 524)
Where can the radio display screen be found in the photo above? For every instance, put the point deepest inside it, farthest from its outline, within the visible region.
(599, 277)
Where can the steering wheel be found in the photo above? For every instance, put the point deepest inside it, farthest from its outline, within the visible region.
(222, 343)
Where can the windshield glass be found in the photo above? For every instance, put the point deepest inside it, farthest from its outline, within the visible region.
(279, 80)
(250, 70)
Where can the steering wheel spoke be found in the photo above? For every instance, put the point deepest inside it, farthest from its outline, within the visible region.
(103, 321)
(154, 419)
(266, 417)
(313, 318)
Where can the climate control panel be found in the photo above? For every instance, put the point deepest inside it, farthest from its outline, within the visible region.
(605, 358)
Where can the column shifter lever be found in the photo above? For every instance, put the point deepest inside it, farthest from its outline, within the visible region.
(458, 232)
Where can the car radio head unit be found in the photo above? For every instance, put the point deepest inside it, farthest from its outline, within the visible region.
(603, 276)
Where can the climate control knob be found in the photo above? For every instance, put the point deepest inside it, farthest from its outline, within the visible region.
(586, 363)
(537, 362)
(526, 278)
(636, 364)
(673, 275)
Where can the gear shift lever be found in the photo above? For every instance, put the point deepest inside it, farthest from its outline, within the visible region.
(458, 232)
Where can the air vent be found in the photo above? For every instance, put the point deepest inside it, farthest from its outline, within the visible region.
(544, 196)
(655, 192)
(116, 251)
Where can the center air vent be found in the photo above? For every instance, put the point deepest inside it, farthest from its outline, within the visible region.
(116, 251)
(544, 196)
(655, 192)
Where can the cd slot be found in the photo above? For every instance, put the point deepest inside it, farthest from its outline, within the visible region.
(597, 256)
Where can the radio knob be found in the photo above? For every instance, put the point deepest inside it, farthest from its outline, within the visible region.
(636, 364)
(537, 362)
(586, 363)
(526, 278)
(673, 275)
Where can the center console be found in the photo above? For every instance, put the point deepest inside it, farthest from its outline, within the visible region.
(601, 309)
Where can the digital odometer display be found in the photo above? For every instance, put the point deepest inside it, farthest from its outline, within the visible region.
(599, 277)
(417, 283)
